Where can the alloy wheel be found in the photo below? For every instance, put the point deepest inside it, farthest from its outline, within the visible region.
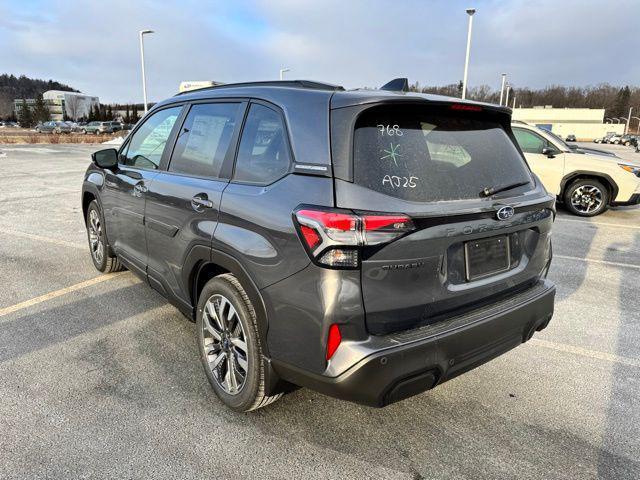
(587, 198)
(225, 344)
(95, 237)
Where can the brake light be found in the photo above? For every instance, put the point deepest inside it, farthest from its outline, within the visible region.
(333, 237)
(333, 340)
(463, 107)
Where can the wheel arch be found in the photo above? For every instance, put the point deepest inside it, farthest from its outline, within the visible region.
(585, 174)
(207, 264)
(204, 264)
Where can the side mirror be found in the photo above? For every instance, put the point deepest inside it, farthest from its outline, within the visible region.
(549, 152)
(107, 158)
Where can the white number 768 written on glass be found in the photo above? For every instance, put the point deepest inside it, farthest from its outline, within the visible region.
(390, 130)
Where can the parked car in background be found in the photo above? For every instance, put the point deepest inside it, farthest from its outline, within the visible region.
(614, 139)
(116, 126)
(53, 127)
(604, 139)
(629, 140)
(570, 138)
(586, 183)
(97, 128)
(73, 125)
(366, 244)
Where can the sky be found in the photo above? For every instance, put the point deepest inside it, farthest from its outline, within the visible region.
(93, 46)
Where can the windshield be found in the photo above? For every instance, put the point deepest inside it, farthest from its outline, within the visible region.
(429, 155)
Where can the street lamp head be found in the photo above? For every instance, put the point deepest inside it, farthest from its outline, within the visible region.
(470, 11)
(142, 32)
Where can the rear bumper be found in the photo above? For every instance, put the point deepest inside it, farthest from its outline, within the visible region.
(634, 200)
(394, 367)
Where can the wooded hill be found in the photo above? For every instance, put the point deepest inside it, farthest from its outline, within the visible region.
(12, 87)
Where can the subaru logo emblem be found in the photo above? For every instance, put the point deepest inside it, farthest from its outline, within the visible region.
(505, 213)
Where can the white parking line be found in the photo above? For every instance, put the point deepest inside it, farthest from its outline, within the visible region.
(595, 260)
(58, 293)
(598, 224)
(41, 238)
(585, 352)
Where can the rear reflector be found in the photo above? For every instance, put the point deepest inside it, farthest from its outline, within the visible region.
(327, 232)
(333, 341)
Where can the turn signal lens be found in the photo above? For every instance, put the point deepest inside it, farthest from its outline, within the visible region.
(630, 168)
(333, 341)
(340, 258)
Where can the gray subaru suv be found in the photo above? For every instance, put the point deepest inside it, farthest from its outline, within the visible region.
(367, 244)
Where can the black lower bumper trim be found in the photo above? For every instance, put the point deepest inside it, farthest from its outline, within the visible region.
(634, 200)
(392, 374)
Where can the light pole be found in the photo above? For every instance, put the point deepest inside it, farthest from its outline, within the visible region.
(504, 79)
(637, 129)
(142, 33)
(282, 72)
(506, 101)
(470, 12)
(626, 128)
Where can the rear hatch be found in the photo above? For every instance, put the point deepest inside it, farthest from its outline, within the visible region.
(481, 220)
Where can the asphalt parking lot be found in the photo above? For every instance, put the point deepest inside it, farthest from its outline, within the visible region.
(100, 377)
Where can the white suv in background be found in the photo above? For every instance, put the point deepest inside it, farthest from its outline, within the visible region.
(586, 183)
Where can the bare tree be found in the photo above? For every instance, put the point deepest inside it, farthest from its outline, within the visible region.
(73, 106)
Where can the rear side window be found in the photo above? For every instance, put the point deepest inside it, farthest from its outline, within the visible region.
(263, 156)
(435, 154)
(204, 139)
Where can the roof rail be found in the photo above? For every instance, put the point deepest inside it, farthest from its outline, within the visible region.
(306, 84)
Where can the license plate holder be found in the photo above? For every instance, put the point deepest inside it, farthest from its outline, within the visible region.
(487, 256)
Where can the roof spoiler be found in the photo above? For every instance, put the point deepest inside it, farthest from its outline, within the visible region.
(397, 85)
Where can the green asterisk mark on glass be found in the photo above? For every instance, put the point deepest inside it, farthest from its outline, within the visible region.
(392, 153)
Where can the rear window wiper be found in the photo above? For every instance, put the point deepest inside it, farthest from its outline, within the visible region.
(488, 191)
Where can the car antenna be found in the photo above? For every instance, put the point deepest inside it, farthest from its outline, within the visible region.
(397, 85)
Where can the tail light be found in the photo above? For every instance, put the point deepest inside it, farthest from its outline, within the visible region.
(333, 237)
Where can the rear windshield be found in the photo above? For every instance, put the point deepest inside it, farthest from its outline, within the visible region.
(433, 155)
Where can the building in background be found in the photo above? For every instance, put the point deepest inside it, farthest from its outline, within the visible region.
(61, 104)
(585, 123)
(73, 105)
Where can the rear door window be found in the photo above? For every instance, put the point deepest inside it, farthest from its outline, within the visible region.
(427, 155)
(204, 139)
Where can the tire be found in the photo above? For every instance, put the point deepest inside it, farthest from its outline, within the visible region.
(626, 144)
(101, 255)
(586, 197)
(97, 132)
(238, 331)
(83, 131)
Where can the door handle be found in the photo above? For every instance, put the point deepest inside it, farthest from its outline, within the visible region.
(139, 189)
(200, 202)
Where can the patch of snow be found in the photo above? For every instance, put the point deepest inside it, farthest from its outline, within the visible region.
(114, 141)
